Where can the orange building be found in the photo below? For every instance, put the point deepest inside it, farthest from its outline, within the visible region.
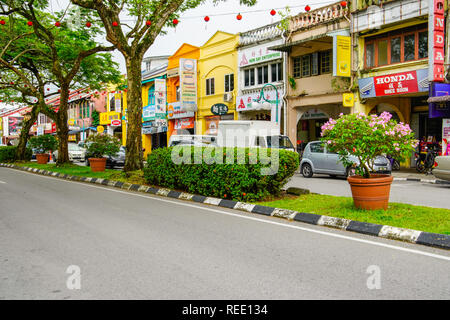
(179, 120)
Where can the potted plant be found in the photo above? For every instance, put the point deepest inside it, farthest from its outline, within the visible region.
(97, 147)
(42, 145)
(366, 137)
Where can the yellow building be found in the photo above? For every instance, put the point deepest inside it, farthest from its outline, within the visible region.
(217, 68)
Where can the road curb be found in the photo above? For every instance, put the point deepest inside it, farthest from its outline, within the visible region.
(407, 235)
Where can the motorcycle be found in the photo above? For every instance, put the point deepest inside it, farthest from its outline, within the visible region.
(395, 165)
(425, 161)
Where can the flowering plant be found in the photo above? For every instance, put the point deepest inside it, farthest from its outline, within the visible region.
(367, 137)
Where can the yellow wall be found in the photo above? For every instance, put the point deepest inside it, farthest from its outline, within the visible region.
(218, 57)
(146, 138)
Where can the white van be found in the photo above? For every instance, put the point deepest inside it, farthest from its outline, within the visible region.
(192, 139)
(252, 134)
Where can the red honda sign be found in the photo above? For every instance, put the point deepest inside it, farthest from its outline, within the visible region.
(53, 127)
(397, 83)
(116, 123)
(436, 40)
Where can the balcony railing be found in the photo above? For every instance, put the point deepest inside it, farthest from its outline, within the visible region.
(264, 33)
(320, 15)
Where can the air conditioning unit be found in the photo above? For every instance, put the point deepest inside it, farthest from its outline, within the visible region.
(228, 97)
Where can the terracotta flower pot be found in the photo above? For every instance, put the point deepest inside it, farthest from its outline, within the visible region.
(42, 158)
(97, 164)
(371, 193)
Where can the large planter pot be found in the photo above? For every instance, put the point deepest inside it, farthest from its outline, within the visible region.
(97, 164)
(371, 193)
(42, 158)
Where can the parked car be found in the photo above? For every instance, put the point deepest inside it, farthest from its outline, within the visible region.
(118, 160)
(317, 159)
(442, 170)
(196, 140)
(75, 153)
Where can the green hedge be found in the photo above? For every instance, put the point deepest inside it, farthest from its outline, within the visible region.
(230, 181)
(8, 154)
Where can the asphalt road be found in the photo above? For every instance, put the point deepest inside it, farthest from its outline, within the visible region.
(412, 192)
(134, 245)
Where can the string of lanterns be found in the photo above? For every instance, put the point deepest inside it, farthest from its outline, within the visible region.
(175, 22)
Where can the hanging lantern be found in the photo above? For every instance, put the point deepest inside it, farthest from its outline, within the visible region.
(57, 24)
(175, 21)
(343, 4)
(206, 19)
(88, 24)
(273, 12)
(115, 24)
(148, 23)
(2, 22)
(307, 8)
(48, 89)
(239, 16)
(30, 23)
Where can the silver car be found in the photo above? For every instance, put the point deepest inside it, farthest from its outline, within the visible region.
(76, 153)
(442, 170)
(317, 159)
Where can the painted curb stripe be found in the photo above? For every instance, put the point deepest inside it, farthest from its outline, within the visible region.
(198, 198)
(135, 187)
(434, 240)
(173, 194)
(307, 217)
(227, 203)
(152, 190)
(267, 211)
(364, 227)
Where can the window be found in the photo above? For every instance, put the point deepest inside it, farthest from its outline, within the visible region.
(178, 93)
(408, 44)
(297, 67)
(263, 74)
(306, 65)
(210, 90)
(325, 62)
(277, 72)
(151, 96)
(112, 103)
(317, 147)
(249, 76)
(229, 82)
(315, 64)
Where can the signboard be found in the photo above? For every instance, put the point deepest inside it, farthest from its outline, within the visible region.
(174, 111)
(393, 84)
(446, 137)
(14, 125)
(348, 99)
(118, 102)
(245, 102)
(212, 123)
(40, 130)
(219, 109)
(53, 127)
(188, 84)
(184, 123)
(436, 40)
(107, 117)
(100, 129)
(258, 54)
(116, 123)
(442, 109)
(72, 137)
(342, 54)
(71, 122)
(160, 103)
(148, 113)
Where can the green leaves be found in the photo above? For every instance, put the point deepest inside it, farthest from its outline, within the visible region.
(99, 145)
(44, 143)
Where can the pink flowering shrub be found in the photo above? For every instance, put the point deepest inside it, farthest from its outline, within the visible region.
(366, 137)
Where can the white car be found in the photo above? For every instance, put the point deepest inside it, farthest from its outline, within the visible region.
(76, 153)
(442, 170)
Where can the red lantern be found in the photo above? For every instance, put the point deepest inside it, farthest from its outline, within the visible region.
(2, 22)
(57, 24)
(88, 24)
(30, 23)
(239, 16)
(175, 21)
(148, 23)
(115, 24)
(48, 89)
(273, 12)
(343, 4)
(307, 8)
(206, 19)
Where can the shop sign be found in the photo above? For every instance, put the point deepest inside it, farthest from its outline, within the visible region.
(446, 137)
(118, 102)
(258, 54)
(174, 111)
(188, 84)
(148, 113)
(160, 103)
(40, 131)
(245, 102)
(314, 114)
(107, 117)
(53, 127)
(342, 53)
(100, 129)
(72, 137)
(348, 99)
(212, 123)
(393, 84)
(219, 109)
(116, 123)
(14, 125)
(184, 123)
(71, 122)
(172, 73)
(436, 40)
(439, 109)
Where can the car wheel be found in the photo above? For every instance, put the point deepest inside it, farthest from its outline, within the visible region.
(87, 163)
(395, 166)
(307, 171)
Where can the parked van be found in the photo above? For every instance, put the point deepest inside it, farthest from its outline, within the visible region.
(252, 134)
(192, 139)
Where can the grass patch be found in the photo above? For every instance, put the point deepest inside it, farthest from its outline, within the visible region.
(398, 214)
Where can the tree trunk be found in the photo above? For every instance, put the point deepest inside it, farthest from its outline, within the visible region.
(133, 160)
(25, 133)
(62, 128)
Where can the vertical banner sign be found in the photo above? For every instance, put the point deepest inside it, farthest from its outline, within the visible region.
(160, 103)
(436, 40)
(118, 102)
(188, 85)
(446, 137)
(342, 48)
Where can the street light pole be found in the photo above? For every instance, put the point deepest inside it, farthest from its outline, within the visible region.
(261, 96)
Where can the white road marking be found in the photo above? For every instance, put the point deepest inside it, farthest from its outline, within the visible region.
(424, 253)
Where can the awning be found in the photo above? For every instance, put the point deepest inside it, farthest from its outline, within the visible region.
(82, 130)
(287, 46)
(439, 99)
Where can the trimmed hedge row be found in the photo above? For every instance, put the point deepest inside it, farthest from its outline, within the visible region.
(8, 154)
(231, 181)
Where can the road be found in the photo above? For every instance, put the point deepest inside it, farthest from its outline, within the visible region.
(412, 192)
(133, 245)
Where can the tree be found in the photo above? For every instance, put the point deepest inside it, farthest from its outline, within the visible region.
(72, 56)
(133, 41)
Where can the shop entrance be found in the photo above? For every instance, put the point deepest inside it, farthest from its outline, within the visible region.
(159, 140)
(309, 127)
(384, 107)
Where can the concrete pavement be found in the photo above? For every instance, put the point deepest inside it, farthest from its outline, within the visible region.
(130, 245)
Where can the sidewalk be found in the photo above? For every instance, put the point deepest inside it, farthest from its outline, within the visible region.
(411, 174)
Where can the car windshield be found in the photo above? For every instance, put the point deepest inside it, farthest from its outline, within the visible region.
(74, 147)
(283, 142)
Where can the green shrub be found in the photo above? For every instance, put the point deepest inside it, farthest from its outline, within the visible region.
(230, 181)
(44, 143)
(8, 154)
(100, 145)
